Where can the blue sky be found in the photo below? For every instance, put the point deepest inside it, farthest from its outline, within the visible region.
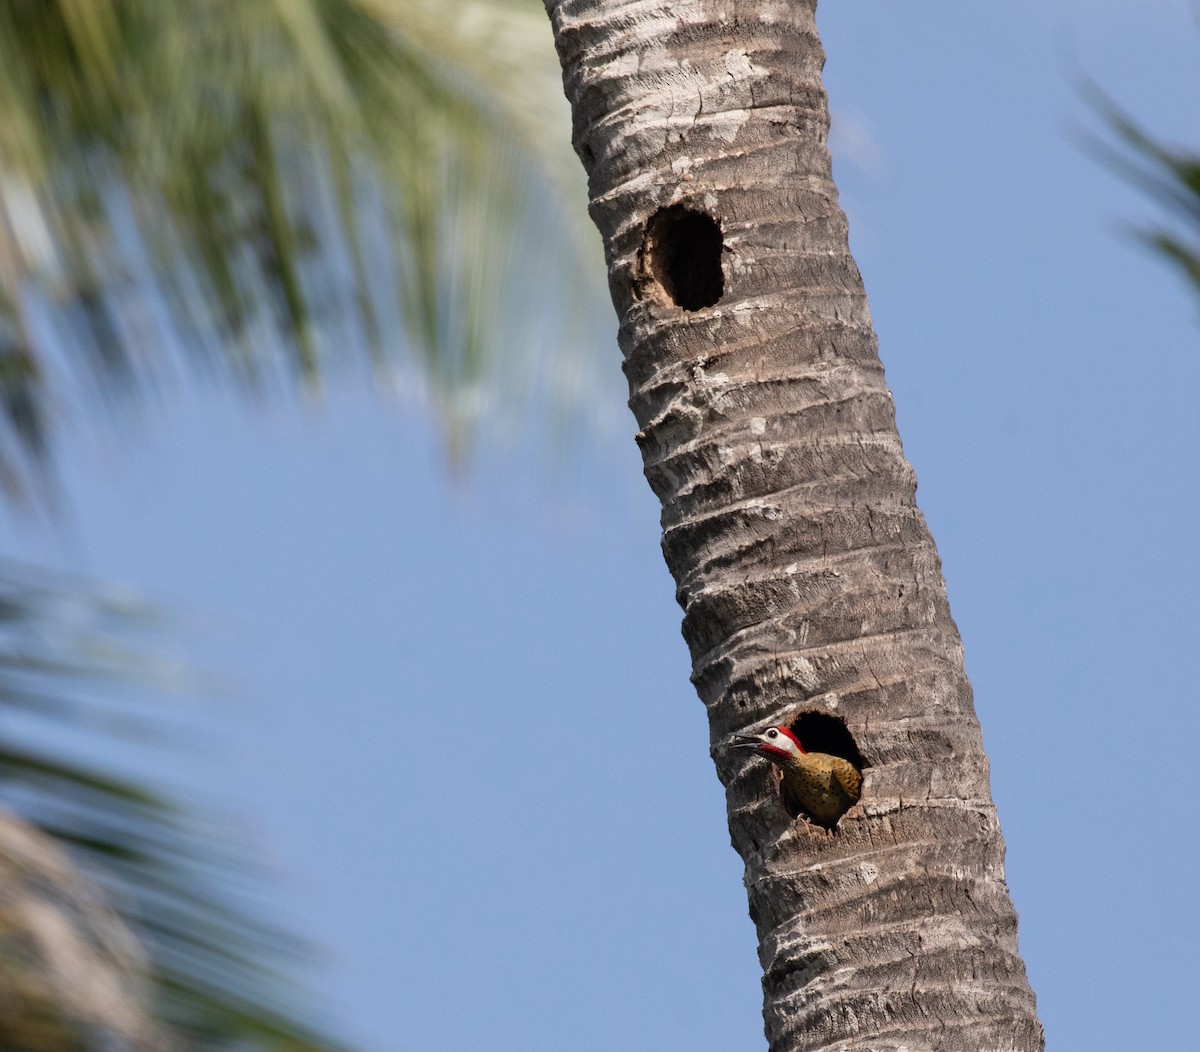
(458, 716)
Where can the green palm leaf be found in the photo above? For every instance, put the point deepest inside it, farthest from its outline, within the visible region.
(1168, 175)
(269, 188)
(217, 975)
(265, 191)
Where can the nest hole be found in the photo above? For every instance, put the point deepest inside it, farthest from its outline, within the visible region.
(681, 251)
(821, 732)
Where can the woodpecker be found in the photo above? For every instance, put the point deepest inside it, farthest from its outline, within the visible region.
(816, 784)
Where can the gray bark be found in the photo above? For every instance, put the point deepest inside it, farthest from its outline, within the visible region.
(72, 976)
(806, 572)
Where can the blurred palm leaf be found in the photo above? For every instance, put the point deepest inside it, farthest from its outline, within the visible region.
(267, 186)
(217, 973)
(1168, 175)
(263, 189)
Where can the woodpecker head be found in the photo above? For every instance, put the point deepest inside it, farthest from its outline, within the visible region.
(775, 743)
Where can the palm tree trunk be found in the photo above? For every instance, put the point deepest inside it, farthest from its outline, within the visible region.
(72, 977)
(806, 572)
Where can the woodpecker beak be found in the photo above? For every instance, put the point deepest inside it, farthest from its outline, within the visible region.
(745, 741)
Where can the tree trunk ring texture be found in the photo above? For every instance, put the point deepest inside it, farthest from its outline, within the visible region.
(806, 572)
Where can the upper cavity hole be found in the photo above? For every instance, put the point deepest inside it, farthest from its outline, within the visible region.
(682, 252)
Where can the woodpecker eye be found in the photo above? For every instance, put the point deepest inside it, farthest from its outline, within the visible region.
(772, 733)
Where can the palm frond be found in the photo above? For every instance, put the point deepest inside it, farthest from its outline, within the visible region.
(273, 187)
(1168, 175)
(218, 977)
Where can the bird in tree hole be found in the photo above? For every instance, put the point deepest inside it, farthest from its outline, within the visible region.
(815, 784)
